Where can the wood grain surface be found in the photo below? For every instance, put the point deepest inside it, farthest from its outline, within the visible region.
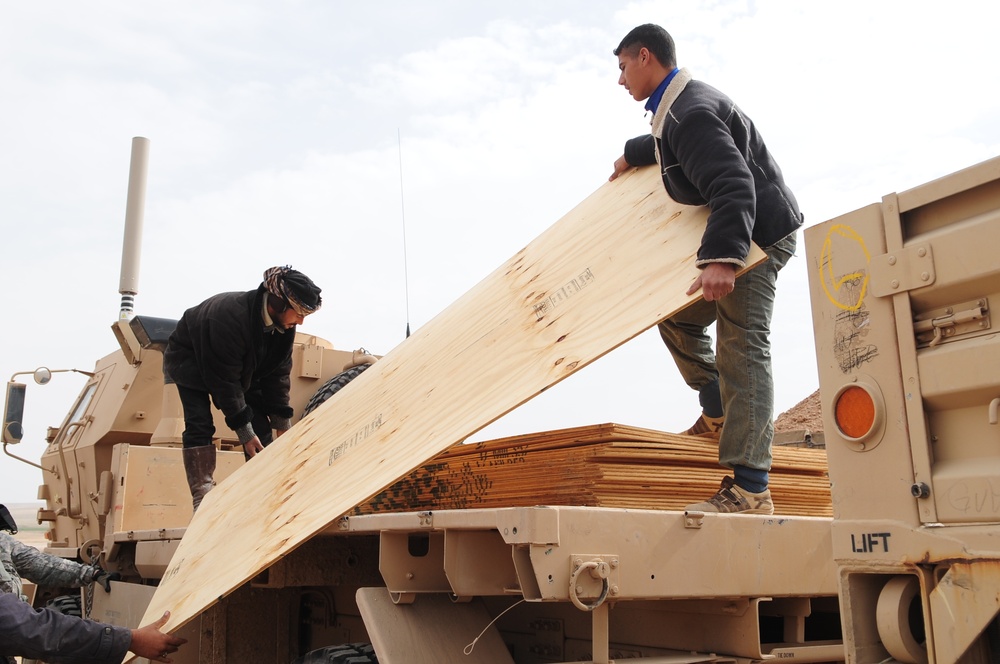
(597, 465)
(611, 268)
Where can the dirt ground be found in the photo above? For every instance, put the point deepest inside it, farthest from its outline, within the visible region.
(806, 414)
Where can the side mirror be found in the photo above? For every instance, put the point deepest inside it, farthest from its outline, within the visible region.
(13, 413)
(42, 375)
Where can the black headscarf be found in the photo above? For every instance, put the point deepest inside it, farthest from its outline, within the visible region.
(294, 287)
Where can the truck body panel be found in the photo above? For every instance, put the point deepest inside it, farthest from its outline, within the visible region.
(901, 297)
(907, 568)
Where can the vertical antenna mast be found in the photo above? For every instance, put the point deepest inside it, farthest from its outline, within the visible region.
(402, 206)
(135, 204)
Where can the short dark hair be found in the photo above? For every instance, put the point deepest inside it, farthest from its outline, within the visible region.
(651, 36)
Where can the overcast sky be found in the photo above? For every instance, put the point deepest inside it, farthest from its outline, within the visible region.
(281, 132)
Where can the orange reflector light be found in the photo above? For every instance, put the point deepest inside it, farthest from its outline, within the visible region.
(855, 412)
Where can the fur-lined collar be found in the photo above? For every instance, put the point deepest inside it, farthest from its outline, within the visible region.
(681, 79)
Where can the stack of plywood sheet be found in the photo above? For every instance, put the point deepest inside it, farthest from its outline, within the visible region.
(606, 465)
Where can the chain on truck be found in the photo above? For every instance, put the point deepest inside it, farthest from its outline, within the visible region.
(906, 570)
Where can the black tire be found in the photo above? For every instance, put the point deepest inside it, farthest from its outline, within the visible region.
(333, 386)
(68, 605)
(350, 653)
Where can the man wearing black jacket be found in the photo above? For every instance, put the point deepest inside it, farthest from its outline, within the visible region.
(710, 153)
(235, 350)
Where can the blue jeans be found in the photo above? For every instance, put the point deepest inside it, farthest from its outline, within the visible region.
(742, 364)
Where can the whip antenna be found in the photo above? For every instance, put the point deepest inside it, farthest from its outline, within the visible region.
(402, 210)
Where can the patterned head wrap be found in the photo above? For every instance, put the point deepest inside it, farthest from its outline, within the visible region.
(293, 287)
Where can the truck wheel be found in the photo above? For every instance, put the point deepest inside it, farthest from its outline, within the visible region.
(351, 653)
(333, 386)
(68, 605)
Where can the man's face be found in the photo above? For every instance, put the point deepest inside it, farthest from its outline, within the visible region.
(288, 318)
(635, 74)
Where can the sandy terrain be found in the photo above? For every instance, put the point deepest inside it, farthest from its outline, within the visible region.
(29, 531)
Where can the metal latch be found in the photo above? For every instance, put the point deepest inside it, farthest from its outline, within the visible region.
(948, 323)
(694, 519)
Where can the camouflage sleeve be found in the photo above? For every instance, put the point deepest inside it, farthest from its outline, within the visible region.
(10, 580)
(45, 570)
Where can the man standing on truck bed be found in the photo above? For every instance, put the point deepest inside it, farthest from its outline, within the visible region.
(235, 349)
(710, 153)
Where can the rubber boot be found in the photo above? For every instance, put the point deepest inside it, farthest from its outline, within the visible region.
(199, 465)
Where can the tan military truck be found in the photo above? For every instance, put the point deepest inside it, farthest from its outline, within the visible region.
(909, 369)
(907, 569)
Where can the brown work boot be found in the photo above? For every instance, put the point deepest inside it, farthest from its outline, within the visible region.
(199, 466)
(706, 427)
(731, 498)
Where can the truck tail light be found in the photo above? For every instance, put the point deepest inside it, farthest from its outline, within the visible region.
(858, 411)
(855, 412)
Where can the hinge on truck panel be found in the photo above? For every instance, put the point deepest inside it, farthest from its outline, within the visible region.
(312, 360)
(694, 520)
(950, 323)
(902, 270)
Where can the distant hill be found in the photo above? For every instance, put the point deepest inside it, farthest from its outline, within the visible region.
(805, 415)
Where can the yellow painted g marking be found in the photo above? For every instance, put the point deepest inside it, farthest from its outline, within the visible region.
(833, 286)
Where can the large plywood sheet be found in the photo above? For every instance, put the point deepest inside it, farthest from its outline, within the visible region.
(609, 269)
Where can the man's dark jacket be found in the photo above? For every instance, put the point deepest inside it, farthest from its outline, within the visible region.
(711, 154)
(221, 347)
(51, 636)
